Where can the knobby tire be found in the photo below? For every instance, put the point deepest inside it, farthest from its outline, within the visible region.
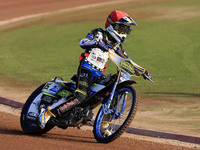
(27, 127)
(126, 123)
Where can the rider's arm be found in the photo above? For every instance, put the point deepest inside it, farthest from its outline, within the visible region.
(87, 43)
(91, 40)
(138, 69)
(94, 39)
(120, 51)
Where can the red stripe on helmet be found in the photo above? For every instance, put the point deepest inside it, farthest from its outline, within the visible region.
(116, 16)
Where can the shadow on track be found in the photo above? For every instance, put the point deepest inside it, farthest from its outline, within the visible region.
(52, 136)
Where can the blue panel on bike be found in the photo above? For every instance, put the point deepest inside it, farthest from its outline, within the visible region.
(55, 90)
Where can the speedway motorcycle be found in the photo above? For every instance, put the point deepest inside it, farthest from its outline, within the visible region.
(114, 93)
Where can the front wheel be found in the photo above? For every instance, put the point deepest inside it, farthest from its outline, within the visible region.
(111, 124)
(30, 105)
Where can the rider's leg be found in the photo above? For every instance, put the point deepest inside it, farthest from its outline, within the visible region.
(84, 79)
(44, 117)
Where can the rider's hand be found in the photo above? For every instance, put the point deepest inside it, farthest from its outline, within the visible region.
(100, 43)
(103, 46)
(147, 75)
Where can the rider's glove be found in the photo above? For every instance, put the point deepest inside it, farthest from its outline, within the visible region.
(147, 75)
(100, 43)
(103, 46)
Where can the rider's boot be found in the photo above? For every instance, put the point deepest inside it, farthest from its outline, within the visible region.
(44, 117)
(59, 109)
(46, 114)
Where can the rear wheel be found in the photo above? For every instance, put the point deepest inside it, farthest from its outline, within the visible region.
(27, 127)
(111, 124)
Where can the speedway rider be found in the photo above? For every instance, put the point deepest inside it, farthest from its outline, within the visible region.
(93, 61)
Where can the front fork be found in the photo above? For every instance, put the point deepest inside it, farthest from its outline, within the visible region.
(122, 101)
(106, 106)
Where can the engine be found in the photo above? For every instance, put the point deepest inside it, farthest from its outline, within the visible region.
(76, 117)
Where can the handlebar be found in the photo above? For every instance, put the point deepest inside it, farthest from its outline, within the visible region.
(149, 78)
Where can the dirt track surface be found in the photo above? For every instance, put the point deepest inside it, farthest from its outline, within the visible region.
(17, 8)
(11, 135)
(12, 138)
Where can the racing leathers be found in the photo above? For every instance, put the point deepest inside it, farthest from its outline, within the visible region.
(92, 66)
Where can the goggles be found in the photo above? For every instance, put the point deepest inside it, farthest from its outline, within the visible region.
(122, 28)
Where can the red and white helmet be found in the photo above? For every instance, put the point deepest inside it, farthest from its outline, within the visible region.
(118, 25)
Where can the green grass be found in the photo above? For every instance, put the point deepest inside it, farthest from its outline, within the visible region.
(171, 52)
(169, 49)
(41, 52)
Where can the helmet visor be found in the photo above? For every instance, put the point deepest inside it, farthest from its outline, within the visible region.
(122, 28)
